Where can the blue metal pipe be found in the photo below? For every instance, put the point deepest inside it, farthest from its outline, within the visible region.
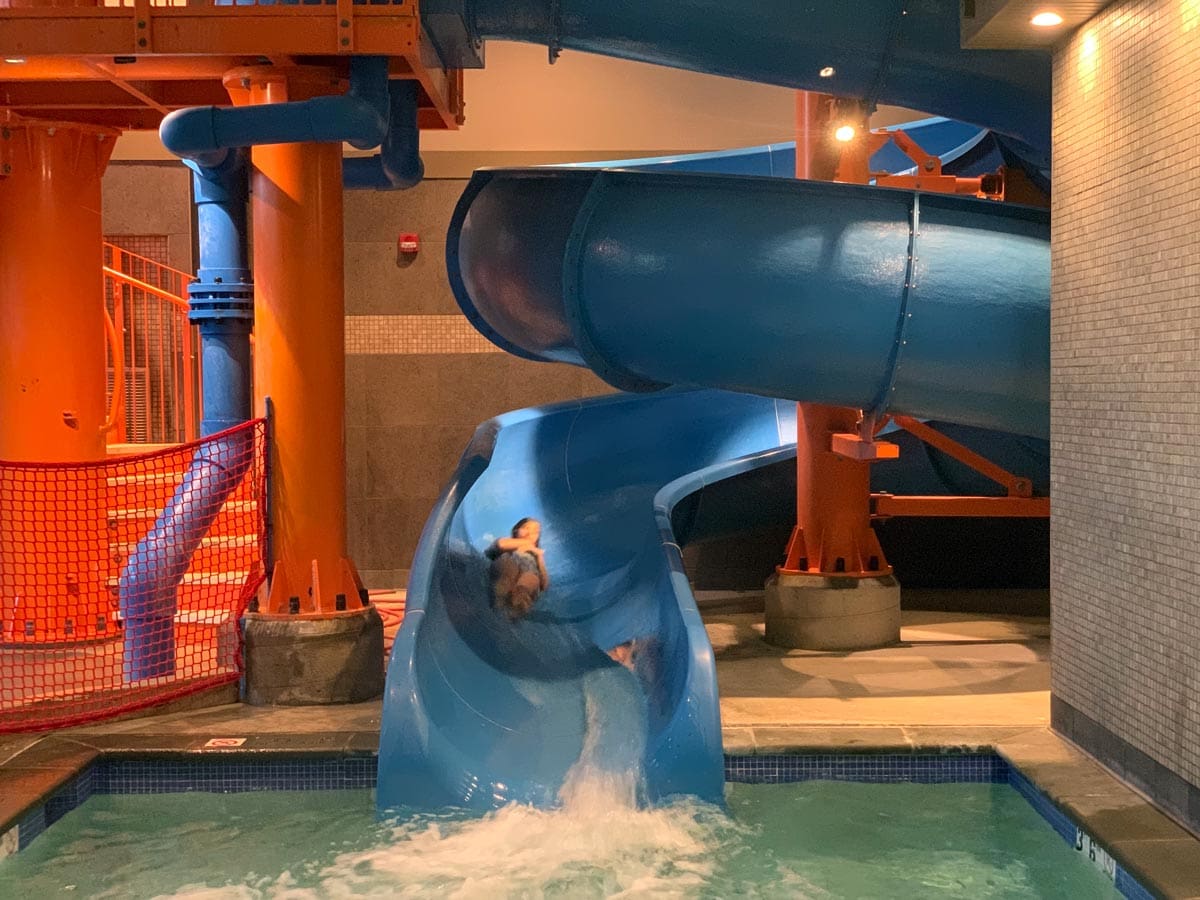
(212, 142)
(222, 306)
(359, 117)
(888, 51)
(398, 165)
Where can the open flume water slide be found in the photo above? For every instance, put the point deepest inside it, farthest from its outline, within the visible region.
(670, 285)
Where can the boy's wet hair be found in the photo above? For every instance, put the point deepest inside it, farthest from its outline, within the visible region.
(522, 523)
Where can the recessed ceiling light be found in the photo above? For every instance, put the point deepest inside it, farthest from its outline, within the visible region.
(845, 133)
(14, 60)
(1046, 19)
(827, 72)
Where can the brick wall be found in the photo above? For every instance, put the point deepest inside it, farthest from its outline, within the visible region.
(1125, 334)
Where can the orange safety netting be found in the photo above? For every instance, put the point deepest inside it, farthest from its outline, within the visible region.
(121, 582)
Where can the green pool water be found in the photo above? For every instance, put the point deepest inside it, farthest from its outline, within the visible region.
(804, 840)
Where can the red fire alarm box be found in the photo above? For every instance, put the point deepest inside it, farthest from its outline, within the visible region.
(408, 243)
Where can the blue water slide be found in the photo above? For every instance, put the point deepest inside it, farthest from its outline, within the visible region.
(719, 298)
(480, 711)
(903, 52)
(763, 286)
(925, 305)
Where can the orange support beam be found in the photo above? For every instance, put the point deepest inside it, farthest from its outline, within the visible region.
(52, 362)
(1013, 484)
(299, 351)
(884, 506)
(1019, 502)
(833, 534)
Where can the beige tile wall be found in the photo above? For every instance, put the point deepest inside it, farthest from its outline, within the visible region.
(151, 198)
(1125, 332)
(419, 378)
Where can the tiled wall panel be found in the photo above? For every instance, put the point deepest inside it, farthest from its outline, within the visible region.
(419, 378)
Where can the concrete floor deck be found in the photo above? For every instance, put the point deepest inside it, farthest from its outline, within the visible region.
(956, 680)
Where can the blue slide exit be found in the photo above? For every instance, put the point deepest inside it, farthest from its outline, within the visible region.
(718, 299)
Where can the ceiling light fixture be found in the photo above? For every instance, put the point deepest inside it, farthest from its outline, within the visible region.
(827, 72)
(845, 133)
(1046, 19)
(14, 60)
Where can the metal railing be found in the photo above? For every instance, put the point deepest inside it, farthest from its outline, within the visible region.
(154, 351)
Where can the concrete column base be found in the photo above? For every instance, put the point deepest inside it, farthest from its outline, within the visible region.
(313, 662)
(813, 612)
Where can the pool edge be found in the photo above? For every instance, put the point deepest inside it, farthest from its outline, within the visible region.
(1075, 786)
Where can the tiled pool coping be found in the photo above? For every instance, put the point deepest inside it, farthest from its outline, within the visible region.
(236, 772)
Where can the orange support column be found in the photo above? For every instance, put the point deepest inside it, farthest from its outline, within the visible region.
(833, 546)
(833, 534)
(299, 365)
(53, 546)
(52, 356)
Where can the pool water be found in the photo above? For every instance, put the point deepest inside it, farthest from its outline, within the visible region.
(810, 839)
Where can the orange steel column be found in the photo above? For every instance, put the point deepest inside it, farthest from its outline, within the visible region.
(299, 352)
(54, 559)
(833, 534)
(52, 350)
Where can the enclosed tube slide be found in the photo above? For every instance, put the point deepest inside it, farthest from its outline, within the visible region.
(889, 300)
(903, 52)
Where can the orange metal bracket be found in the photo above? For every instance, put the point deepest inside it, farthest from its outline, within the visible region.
(929, 175)
(854, 446)
(1019, 502)
(1013, 484)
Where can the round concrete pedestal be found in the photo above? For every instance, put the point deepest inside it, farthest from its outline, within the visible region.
(312, 662)
(812, 612)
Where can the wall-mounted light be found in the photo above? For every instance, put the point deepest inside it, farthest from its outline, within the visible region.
(845, 133)
(14, 60)
(1046, 19)
(827, 72)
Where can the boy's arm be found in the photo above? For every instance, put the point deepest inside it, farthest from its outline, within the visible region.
(543, 575)
(511, 545)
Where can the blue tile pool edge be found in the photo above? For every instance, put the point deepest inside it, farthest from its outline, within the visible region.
(231, 774)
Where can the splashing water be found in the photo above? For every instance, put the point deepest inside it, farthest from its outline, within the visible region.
(599, 843)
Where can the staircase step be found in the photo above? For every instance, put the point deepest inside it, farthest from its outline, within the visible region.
(130, 525)
(216, 553)
(157, 488)
(199, 590)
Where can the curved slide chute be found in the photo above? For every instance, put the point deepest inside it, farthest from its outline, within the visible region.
(480, 711)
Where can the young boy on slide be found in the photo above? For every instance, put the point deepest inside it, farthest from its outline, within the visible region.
(518, 569)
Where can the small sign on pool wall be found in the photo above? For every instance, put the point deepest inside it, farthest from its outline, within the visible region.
(225, 742)
(1097, 855)
(10, 841)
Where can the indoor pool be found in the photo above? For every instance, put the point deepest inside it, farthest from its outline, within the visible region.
(808, 839)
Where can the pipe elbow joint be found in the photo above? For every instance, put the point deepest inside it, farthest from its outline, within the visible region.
(192, 134)
(406, 176)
